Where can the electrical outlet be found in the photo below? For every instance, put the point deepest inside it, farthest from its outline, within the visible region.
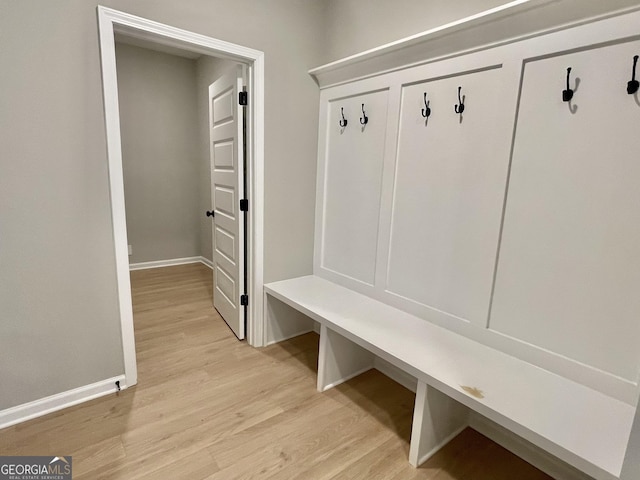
(130, 250)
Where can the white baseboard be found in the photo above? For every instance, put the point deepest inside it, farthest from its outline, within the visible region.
(53, 403)
(170, 262)
(207, 262)
(542, 460)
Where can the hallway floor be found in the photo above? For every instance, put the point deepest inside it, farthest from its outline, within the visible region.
(210, 407)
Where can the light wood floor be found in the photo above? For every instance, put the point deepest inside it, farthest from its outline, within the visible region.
(210, 407)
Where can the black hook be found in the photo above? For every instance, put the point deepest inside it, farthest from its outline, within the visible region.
(343, 122)
(567, 94)
(426, 111)
(363, 119)
(633, 85)
(460, 107)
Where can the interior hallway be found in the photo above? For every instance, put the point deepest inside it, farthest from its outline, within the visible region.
(210, 407)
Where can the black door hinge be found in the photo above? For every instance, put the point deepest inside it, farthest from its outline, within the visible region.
(243, 98)
(244, 300)
(244, 205)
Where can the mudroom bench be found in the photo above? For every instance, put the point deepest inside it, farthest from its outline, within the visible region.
(455, 377)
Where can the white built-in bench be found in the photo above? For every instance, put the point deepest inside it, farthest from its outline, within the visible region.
(581, 426)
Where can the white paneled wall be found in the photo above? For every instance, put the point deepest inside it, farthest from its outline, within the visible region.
(568, 278)
(447, 197)
(515, 223)
(353, 184)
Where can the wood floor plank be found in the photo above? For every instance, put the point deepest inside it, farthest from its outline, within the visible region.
(210, 407)
(97, 456)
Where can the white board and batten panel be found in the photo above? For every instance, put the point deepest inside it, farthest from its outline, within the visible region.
(353, 183)
(568, 279)
(516, 227)
(450, 178)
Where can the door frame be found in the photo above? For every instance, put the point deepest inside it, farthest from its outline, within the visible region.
(111, 21)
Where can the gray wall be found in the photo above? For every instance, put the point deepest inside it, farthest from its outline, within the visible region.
(60, 322)
(160, 154)
(357, 25)
(208, 69)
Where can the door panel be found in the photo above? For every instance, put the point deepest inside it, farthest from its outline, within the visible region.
(224, 198)
(225, 285)
(225, 243)
(224, 106)
(223, 155)
(227, 184)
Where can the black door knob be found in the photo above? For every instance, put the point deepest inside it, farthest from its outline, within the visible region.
(211, 213)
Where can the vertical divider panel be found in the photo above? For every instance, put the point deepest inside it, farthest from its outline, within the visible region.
(283, 322)
(388, 179)
(323, 139)
(339, 359)
(437, 419)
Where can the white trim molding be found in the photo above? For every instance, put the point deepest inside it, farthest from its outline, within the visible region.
(205, 261)
(53, 403)
(506, 23)
(111, 21)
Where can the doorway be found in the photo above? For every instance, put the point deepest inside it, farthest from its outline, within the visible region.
(112, 22)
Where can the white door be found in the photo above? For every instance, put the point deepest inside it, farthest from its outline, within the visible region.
(227, 190)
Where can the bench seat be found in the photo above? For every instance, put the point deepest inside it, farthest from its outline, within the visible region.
(577, 424)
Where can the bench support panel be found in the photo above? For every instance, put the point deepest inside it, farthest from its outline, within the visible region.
(284, 322)
(437, 419)
(340, 359)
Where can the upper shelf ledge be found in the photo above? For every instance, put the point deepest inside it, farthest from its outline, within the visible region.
(511, 21)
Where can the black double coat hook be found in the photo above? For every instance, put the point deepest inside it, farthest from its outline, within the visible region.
(634, 85)
(426, 111)
(459, 108)
(343, 122)
(567, 94)
(363, 119)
